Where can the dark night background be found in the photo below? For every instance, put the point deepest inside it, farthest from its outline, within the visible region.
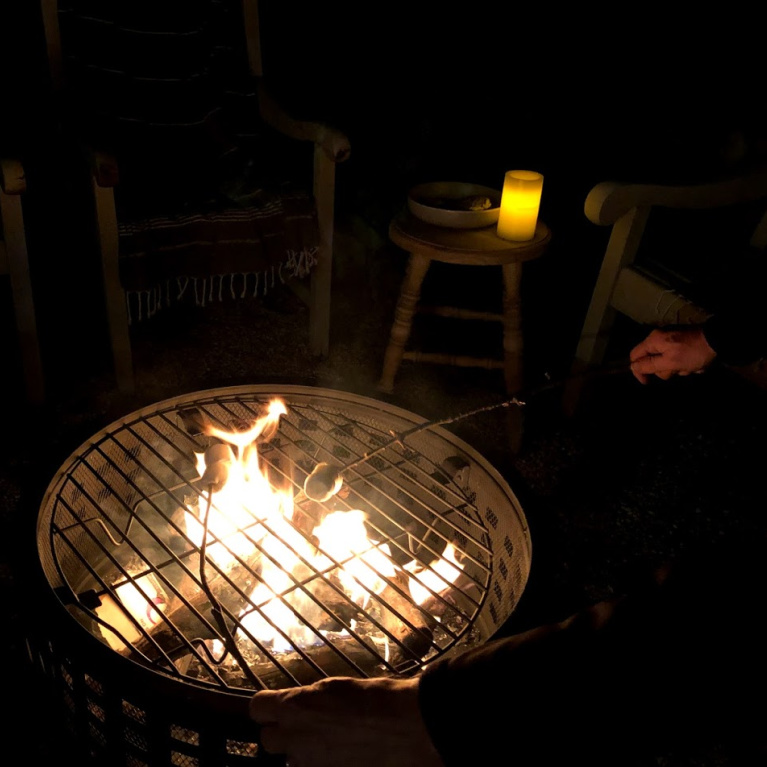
(426, 92)
(430, 92)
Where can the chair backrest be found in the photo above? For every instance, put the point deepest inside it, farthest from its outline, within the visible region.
(171, 92)
(670, 249)
(153, 83)
(244, 12)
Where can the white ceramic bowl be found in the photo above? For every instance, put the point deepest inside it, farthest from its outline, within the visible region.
(450, 203)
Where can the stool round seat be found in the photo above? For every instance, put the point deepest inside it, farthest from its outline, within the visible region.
(470, 247)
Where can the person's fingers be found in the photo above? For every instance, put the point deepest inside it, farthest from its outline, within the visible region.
(644, 349)
(650, 364)
(639, 368)
(654, 365)
(264, 706)
(654, 344)
(641, 377)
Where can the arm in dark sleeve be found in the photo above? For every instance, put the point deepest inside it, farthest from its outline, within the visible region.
(737, 329)
(738, 338)
(674, 665)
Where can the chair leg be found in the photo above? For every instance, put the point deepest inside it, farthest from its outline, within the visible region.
(117, 311)
(322, 274)
(21, 286)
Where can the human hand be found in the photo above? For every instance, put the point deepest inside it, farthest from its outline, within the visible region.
(666, 353)
(346, 722)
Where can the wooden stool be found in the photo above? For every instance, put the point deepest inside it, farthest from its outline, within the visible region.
(468, 247)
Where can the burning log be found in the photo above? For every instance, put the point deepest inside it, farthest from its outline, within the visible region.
(190, 617)
(184, 615)
(410, 626)
(193, 616)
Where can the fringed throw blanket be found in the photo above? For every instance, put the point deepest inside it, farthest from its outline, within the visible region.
(217, 254)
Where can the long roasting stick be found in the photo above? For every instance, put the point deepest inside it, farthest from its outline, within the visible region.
(326, 480)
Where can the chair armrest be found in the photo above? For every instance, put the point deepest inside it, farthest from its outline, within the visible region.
(103, 165)
(608, 201)
(333, 142)
(12, 179)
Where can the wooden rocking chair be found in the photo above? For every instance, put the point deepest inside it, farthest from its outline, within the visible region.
(236, 240)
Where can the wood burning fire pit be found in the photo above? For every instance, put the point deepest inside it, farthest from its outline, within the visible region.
(183, 567)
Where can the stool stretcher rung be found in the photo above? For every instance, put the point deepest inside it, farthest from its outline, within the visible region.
(455, 312)
(462, 361)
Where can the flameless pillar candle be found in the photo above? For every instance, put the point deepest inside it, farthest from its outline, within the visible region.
(520, 202)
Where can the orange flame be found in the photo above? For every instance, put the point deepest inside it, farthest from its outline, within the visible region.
(248, 516)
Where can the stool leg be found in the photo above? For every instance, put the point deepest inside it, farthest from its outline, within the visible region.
(513, 343)
(513, 348)
(410, 292)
